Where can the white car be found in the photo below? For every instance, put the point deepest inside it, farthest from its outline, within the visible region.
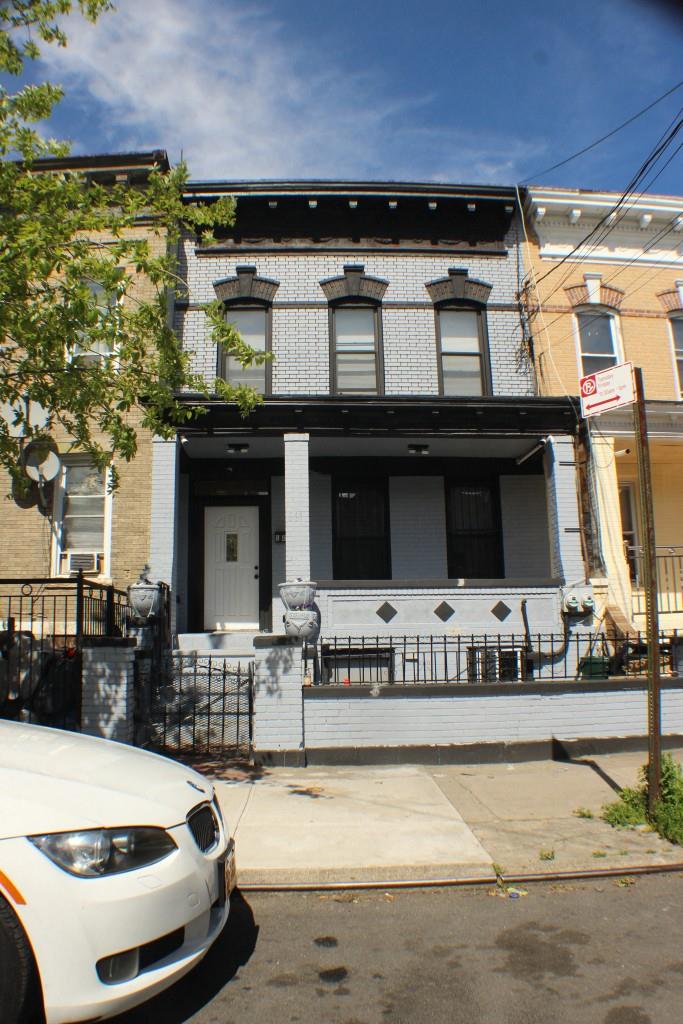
(115, 873)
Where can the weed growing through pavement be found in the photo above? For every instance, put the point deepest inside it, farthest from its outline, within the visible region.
(630, 810)
(546, 855)
(583, 812)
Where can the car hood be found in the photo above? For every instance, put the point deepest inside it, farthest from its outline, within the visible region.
(56, 781)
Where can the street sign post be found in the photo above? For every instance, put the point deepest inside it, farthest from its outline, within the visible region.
(614, 388)
(607, 389)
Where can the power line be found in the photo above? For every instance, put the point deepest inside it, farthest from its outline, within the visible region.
(603, 138)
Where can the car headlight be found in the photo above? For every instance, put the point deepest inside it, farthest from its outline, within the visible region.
(105, 851)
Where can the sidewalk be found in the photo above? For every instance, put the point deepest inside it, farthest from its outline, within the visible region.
(396, 823)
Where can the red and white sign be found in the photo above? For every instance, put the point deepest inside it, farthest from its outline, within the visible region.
(607, 389)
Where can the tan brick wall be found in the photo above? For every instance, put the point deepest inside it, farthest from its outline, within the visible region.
(642, 319)
(26, 534)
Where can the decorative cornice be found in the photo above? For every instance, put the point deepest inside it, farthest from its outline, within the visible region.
(458, 286)
(246, 285)
(354, 284)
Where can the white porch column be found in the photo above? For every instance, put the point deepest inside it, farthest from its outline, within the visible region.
(566, 558)
(607, 490)
(164, 518)
(297, 508)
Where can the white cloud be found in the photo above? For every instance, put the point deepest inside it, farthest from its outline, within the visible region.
(230, 88)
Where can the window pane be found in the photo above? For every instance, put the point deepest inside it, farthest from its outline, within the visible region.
(592, 364)
(356, 371)
(355, 330)
(361, 544)
(83, 534)
(461, 375)
(679, 363)
(596, 335)
(83, 509)
(77, 505)
(249, 376)
(459, 330)
(84, 480)
(251, 323)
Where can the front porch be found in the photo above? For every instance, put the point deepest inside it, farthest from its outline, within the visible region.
(428, 519)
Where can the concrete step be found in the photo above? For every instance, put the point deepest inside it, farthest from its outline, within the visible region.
(233, 644)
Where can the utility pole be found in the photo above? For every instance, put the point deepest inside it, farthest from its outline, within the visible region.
(654, 713)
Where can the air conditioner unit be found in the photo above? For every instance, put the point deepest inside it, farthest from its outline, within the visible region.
(496, 665)
(84, 561)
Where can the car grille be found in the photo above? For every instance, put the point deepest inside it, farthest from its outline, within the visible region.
(204, 827)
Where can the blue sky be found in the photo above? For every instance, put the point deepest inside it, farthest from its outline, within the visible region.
(386, 89)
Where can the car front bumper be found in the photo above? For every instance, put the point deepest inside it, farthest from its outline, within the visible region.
(173, 911)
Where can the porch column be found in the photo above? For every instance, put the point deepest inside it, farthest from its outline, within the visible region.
(611, 541)
(564, 526)
(297, 508)
(163, 532)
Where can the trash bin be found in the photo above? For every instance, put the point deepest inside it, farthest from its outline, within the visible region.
(595, 666)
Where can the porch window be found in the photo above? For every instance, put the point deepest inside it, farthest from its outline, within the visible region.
(356, 350)
(474, 532)
(462, 348)
(252, 324)
(598, 341)
(677, 331)
(360, 530)
(80, 516)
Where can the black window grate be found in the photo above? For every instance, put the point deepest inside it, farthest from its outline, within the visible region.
(204, 827)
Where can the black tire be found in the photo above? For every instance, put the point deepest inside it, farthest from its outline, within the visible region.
(19, 988)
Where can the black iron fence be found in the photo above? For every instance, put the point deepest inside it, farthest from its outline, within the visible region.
(43, 622)
(199, 704)
(493, 658)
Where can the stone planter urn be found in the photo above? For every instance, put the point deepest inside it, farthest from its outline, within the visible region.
(303, 624)
(144, 598)
(298, 594)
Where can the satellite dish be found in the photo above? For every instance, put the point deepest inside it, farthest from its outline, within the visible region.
(41, 460)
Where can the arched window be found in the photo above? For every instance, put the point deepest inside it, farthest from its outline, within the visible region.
(677, 336)
(356, 359)
(248, 306)
(598, 339)
(461, 334)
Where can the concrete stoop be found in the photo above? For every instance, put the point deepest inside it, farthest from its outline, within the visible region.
(236, 644)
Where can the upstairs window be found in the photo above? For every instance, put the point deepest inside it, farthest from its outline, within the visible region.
(473, 531)
(356, 350)
(461, 342)
(361, 549)
(254, 327)
(677, 331)
(598, 341)
(81, 513)
(92, 347)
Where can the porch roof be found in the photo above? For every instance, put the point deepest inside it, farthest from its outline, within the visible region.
(390, 416)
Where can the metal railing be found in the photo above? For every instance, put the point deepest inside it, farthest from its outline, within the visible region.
(669, 578)
(392, 660)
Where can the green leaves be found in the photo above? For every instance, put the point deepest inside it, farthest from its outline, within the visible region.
(87, 276)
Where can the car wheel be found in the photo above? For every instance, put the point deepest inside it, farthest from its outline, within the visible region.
(19, 1001)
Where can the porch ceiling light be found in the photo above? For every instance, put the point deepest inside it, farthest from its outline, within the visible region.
(418, 449)
(237, 449)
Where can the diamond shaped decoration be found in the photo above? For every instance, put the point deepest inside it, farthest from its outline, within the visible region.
(501, 611)
(386, 612)
(444, 611)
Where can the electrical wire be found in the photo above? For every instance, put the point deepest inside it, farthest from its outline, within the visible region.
(603, 138)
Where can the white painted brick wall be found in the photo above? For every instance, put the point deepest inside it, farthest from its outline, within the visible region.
(297, 518)
(108, 693)
(433, 720)
(278, 711)
(566, 559)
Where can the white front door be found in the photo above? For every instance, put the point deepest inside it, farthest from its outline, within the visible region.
(231, 569)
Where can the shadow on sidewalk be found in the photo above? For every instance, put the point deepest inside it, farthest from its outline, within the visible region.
(231, 950)
(560, 753)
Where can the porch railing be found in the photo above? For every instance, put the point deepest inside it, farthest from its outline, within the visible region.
(379, 661)
(669, 578)
(64, 609)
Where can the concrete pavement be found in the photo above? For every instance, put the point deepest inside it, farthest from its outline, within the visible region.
(404, 822)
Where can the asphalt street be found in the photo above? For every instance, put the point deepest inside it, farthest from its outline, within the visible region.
(598, 952)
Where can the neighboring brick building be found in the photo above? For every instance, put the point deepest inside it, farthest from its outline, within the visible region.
(605, 285)
(401, 458)
(115, 546)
